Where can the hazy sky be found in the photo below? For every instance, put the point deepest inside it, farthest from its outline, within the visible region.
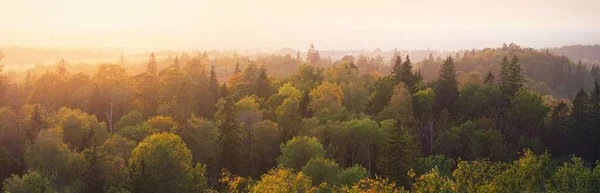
(143, 25)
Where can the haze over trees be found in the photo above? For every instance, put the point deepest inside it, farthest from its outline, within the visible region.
(506, 119)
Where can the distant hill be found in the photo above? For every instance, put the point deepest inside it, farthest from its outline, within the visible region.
(589, 54)
(24, 56)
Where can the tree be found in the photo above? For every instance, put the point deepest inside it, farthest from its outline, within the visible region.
(313, 57)
(397, 155)
(53, 159)
(81, 130)
(351, 175)
(511, 79)
(321, 170)
(365, 134)
(447, 88)
(473, 176)
(263, 84)
(265, 140)
(581, 118)
(230, 139)
(303, 107)
(118, 146)
(282, 180)
(572, 176)
(377, 184)
(103, 171)
(326, 100)
(296, 152)
(402, 72)
(31, 182)
(400, 107)
(489, 78)
(152, 67)
(202, 138)
(213, 88)
(165, 154)
(433, 182)
(383, 90)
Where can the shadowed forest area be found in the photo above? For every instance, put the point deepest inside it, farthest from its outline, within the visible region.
(503, 119)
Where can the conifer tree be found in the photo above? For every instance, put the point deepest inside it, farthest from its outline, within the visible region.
(304, 104)
(511, 79)
(581, 117)
(152, 67)
(396, 156)
(262, 84)
(447, 91)
(230, 139)
(237, 68)
(213, 84)
(489, 78)
(402, 72)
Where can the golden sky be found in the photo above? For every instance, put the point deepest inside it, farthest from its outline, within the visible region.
(271, 24)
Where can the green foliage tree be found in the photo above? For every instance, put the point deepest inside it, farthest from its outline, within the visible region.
(433, 182)
(351, 175)
(165, 154)
(321, 170)
(296, 152)
(282, 180)
(31, 182)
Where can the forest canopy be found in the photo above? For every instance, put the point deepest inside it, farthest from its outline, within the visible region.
(506, 119)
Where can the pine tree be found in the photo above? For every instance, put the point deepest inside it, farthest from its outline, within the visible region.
(213, 86)
(61, 68)
(152, 67)
(223, 92)
(489, 79)
(402, 72)
(511, 79)
(230, 139)
(595, 99)
(447, 90)
(396, 156)
(237, 68)
(313, 56)
(37, 123)
(581, 117)
(262, 84)
(298, 56)
(176, 62)
(304, 104)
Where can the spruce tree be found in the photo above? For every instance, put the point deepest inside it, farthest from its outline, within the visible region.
(262, 84)
(595, 99)
(304, 104)
(489, 78)
(213, 86)
(511, 79)
(223, 92)
(402, 72)
(447, 90)
(396, 156)
(237, 68)
(152, 67)
(581, 117)
(230, 139)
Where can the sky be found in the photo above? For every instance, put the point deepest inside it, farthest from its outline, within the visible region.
(145, 25)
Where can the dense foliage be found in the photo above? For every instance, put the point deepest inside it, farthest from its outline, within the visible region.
(330, 126)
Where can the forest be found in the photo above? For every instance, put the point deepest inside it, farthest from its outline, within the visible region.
(504, 119)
